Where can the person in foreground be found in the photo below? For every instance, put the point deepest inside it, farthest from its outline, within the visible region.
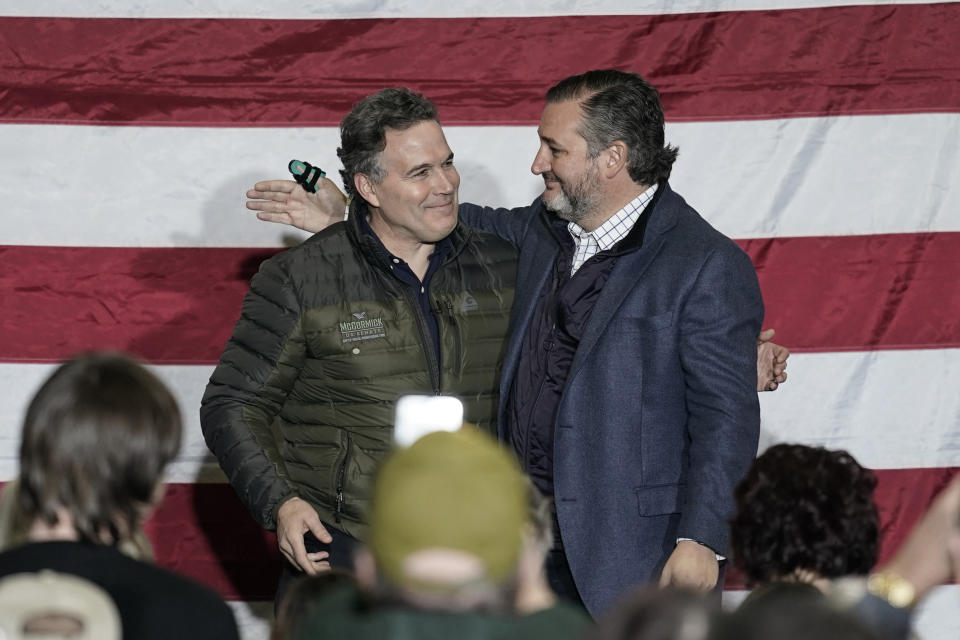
(804, 514)
(449, 528)
(95, 441)
(930, 556)
(628, 388)
(807, 527)
(878, 606)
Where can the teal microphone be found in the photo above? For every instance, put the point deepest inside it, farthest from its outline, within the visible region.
(306, 174)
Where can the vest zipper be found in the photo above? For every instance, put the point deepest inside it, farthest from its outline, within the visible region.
(457, 349)
(548, 340)
(433, 362)
(341, 478)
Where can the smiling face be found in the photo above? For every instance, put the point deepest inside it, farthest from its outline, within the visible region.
(416, 202)
(571, 177)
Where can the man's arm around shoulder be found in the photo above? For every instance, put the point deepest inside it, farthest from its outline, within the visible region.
(511, 225)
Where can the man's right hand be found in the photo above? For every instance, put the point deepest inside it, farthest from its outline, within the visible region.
(771, 362)
(286, 202)
(294, 518)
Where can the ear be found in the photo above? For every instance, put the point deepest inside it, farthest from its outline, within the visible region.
(614, 159)
(365, 568)
(366, 188)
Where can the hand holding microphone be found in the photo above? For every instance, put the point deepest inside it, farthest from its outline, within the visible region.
(313, 208)
(306, 174)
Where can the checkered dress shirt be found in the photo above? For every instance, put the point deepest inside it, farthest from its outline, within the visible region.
(590, 243)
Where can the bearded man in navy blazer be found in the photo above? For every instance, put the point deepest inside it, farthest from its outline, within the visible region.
(629, 380)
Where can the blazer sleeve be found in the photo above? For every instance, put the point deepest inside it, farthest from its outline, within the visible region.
(257, 370)
(509, 224)
(719, 324)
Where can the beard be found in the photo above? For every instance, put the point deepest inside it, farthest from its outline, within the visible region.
(576, 200)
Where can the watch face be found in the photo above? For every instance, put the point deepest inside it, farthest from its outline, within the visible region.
(892, 588)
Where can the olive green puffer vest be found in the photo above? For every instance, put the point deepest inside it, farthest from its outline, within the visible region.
(302, 401)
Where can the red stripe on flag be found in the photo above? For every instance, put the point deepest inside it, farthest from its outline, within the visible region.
(165, 305)
(241, 72)
(204, 532)
(178, 306)
(855, 293)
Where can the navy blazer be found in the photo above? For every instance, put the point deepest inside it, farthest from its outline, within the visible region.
(659, 418)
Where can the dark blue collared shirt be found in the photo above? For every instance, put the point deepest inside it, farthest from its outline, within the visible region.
(421, 289)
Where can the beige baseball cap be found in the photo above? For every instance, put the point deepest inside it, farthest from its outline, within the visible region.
(459, 491)
(53, 606)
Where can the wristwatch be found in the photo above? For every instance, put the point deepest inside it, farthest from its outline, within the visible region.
(893, 588)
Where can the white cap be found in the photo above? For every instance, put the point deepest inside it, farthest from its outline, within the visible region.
(53, 606)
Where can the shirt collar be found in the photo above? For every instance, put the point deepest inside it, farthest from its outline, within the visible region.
(440, 249)
(618, 225)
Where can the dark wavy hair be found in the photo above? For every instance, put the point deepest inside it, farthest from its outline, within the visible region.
(96, 439)
(363, 131)
(805, 508)
(618, 105)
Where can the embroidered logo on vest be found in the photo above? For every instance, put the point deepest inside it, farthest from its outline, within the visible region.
(468, 303)
(361, 328)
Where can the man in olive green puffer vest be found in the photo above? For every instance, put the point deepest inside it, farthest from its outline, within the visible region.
(401, 298)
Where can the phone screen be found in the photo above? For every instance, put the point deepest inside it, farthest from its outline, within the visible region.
(419, 415)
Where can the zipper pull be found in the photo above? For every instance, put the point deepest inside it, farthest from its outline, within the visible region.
(458, 352)
(336, 515)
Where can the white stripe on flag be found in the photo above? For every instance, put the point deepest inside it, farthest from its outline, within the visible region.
(888, 408)
(879, 405)
(334, 9)
(172, 186)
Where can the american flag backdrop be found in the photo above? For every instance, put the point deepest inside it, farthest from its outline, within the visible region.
(824, 137)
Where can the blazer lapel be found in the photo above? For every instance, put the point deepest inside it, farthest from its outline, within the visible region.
(626, 276)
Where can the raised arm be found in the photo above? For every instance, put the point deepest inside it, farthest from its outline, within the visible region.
(930, 556)
(509, 224)
(286, 202)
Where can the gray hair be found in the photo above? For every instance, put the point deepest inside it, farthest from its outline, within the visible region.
(363, 131)
(618, 105)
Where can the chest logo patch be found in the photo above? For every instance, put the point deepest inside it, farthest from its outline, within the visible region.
(361, 328)
(468, 303)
